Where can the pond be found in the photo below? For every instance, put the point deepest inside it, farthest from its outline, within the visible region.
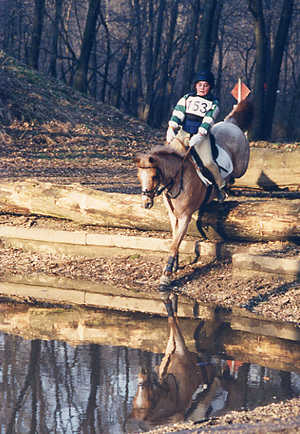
(76, 371)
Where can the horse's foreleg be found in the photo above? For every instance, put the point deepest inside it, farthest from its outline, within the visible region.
(171, 303)
(172, 217)
(165, 277)
(180, 231)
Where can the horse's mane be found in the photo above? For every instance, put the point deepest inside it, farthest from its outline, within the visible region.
(166, 150)
(242, 114)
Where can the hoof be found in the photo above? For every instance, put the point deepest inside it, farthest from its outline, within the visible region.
(164, 287)
(164, 292)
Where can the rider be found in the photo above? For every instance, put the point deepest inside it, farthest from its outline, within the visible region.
(193, 117)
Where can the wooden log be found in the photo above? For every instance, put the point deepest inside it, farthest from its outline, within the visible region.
(255, 220)
(249, 220)
(272, 169)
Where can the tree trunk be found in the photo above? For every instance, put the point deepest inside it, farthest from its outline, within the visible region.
(55, 33)
(257, 129)
(153, 68)
(135, 85)
(107, 60)
(280, 42)
(192, 45)
(38, 21)
(80, 82)
(249, 220)
(206, 44)
(117, 94)
(292, 124)
(159, 104)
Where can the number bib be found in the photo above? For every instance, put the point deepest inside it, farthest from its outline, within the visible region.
(198, 106)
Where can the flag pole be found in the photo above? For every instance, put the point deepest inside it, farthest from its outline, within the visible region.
(239, 90)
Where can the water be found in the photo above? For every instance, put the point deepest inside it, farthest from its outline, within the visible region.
(64, 386)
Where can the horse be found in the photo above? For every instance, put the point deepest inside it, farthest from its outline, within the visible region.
(172, 172)
(182, 388)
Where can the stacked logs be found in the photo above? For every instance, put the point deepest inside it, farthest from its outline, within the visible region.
(244, 220)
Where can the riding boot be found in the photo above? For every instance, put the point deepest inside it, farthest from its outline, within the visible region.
(221, 194)
(220, 183)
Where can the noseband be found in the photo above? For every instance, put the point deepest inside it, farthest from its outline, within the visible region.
(156, 191)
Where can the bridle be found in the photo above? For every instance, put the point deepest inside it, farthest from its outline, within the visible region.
(156, 191)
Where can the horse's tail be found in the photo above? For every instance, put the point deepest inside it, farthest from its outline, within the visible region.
(242, 115)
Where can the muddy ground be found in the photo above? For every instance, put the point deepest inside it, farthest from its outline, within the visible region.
(54, 134)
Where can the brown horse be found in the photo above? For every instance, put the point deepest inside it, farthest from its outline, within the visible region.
(167, 396)
(165, 170)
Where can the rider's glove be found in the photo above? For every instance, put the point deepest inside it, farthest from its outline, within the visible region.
(196, 138)
(202, 131)
(170, 134)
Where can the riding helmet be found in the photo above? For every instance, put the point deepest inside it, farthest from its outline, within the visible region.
(205, 75)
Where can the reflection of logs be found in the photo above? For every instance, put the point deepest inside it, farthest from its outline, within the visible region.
(263, 350)
(107, 328)
(268, 351)
(237, 220)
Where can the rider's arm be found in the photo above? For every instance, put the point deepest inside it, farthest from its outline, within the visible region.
(209, 118)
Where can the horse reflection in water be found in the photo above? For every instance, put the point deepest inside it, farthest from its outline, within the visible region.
(172, 393)
(164, 169)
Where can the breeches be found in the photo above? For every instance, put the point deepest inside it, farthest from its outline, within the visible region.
(203, 149)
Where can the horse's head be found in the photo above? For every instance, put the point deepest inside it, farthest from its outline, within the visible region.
(149, 177)
(146, 396)
(156, 401)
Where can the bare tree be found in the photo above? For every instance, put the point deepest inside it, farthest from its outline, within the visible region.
(207, 40)
(276, 61)
(293, 121)
(80, 81)
(37, 28)
(55, 35)
(192, 42)
(256, 8)
(160, 102)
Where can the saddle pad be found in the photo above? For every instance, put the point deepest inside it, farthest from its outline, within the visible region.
(224, 162)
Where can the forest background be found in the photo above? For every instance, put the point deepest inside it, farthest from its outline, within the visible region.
(141, 55)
